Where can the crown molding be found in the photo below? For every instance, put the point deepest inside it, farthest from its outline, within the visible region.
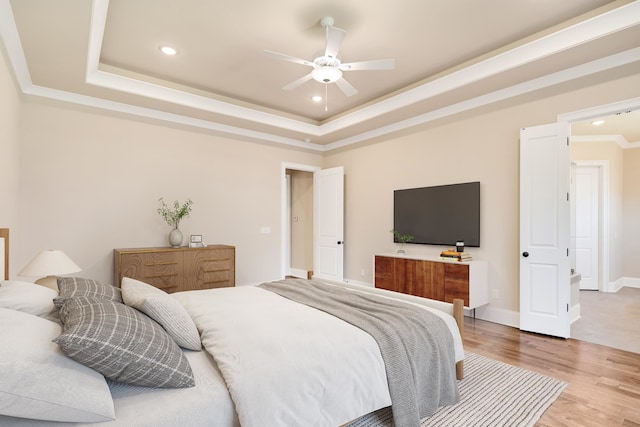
(618, 139)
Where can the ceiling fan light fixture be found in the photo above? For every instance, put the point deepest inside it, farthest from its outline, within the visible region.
(326, 74)
(168, 50)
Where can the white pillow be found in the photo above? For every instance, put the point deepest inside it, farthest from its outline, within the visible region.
(27, 297)
(164, 309)
(39, 381)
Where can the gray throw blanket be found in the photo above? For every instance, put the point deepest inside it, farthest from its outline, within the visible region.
(416, 345)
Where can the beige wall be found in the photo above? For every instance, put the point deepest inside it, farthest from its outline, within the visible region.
(481, 145)
(9, 155)
(631, 218)
(90, 183)
(302, 220)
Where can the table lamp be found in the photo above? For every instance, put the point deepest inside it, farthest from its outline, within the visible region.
(49, 264)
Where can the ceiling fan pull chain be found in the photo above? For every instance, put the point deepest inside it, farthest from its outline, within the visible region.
(326, 97)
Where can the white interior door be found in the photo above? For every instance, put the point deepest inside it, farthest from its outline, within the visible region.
(544, 229)
(328, 223)
(587, 202)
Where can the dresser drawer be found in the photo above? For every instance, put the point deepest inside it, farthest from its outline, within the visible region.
(456, 282)
(163, 270)
(384, 274)
(211, 268)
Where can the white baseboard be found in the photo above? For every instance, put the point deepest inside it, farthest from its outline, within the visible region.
(498, 315)
(631, 282)
(615, 286)
(512, 318)
(355, 282)
(298, 272)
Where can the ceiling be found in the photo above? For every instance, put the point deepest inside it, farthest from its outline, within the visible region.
(450, 56)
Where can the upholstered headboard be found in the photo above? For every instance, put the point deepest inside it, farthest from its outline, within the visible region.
(4, 253)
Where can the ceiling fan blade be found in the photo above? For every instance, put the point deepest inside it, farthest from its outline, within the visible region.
(346, 87)
(288, 58)
(335, 36)
(377, 64)
(294, 84)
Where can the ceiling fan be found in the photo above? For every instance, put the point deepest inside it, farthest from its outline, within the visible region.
(328, 68)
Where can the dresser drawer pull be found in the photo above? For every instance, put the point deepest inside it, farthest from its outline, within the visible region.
(160, 263)
(219, 269)
(159, 276)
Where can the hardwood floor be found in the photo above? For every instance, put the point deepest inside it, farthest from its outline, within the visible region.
(604, 382)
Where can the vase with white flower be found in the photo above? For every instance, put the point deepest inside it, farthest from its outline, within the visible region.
(172, 216)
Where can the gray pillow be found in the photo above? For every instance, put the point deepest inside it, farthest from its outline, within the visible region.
(69, 287)
(122, 344)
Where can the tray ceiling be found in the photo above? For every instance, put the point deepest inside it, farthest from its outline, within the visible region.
(450, 57)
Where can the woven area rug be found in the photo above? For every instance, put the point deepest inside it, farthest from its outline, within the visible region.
(492, 393)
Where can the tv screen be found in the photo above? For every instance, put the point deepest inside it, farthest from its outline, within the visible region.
(439, 215)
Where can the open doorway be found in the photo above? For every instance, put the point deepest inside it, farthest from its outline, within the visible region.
(300, 224)
(297, 243)
(602, 151)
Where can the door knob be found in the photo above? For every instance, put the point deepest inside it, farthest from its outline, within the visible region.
(340, 242)
(525, 254)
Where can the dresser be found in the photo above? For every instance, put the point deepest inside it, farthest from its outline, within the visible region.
(178, 269)
(433, 278)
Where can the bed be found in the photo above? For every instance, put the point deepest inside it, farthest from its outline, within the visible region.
(255, 356)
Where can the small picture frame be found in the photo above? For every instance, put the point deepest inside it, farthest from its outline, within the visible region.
(196, 241)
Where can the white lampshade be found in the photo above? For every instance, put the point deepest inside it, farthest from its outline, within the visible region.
(49, 264)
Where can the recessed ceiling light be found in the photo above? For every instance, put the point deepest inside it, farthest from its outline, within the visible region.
(316, 98)
(597, 122)
(168, 50)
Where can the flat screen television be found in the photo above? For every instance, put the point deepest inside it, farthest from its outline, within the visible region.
(439, 215)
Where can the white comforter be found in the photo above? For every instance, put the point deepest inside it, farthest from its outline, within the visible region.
(288, 364)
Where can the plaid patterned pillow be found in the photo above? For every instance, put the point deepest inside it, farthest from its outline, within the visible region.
(122, 344)
(69, 287)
